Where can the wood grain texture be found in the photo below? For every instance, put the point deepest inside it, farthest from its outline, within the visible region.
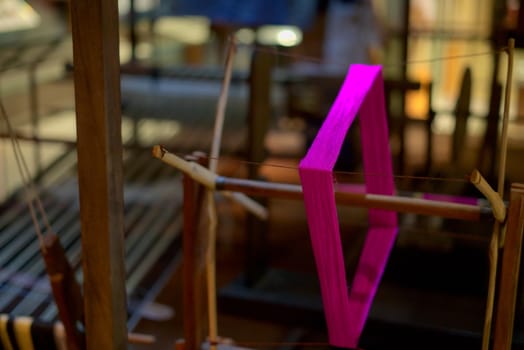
(509, 273)
(97, 96)
(194, 247)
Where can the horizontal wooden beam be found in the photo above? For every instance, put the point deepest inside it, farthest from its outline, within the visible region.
(363, 200)
(291, 191)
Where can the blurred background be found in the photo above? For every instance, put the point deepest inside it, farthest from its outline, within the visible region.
(444, 70)
(312, 43)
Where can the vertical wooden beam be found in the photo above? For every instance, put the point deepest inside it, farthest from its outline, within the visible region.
(97, 95)
(194, 248)
(259, 110)
(509, 275)
(259, 117)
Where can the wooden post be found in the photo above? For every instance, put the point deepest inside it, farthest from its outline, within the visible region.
(194, 248)
(97, 95)
(259, 112)
(259, 118)
(509, 274)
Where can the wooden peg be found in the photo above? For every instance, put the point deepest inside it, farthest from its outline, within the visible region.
(207, 178)
(494, 199)
(196, 171)
(498, 236)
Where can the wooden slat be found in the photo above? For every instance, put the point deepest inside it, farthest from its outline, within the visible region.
(193, 265)
(509, 274)
(97, 96)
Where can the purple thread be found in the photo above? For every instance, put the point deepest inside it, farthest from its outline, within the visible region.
(362, 92)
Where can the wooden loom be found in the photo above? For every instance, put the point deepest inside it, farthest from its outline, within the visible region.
(95, 36)
(198, 177)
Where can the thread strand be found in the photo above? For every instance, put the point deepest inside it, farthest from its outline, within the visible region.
(29, 188)
(464, 179)
(276, 52)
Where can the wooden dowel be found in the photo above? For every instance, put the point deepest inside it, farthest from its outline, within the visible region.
(493, 255)
(497, 239)
(394, 203)
(249, 204)
(289, 191)
(497, 205)
(505, 124)
(193, 169)
(221, 108)
(212, 216)
(207, 179)
(505, 120)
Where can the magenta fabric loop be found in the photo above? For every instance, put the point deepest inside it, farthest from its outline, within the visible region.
(346, 313)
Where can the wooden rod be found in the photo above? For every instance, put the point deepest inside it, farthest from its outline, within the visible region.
(505, 124)
(394, 203)
(193, 169)
(207, 178)
(497, 237)
(505, 120)
(212, 216)
(220, 115)
(498, 206)
(290, 191)
(493, 256)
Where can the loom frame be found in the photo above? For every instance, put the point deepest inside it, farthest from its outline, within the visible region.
(507, 286)
(98, 119)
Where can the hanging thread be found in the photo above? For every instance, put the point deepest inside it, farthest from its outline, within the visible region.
(30, 191)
